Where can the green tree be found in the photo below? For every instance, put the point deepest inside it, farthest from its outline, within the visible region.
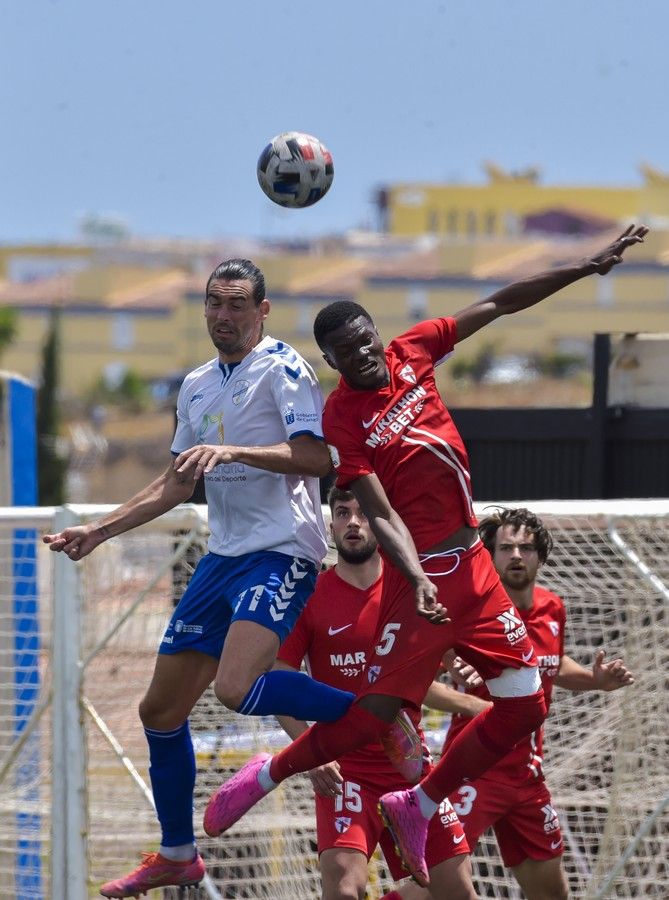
(51, 467)
(8, 327)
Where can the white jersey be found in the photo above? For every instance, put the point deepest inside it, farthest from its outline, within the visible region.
(271, 396)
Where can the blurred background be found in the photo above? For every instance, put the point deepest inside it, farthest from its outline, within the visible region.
(473, 144)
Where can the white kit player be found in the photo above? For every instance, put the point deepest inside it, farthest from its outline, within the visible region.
(249, 422)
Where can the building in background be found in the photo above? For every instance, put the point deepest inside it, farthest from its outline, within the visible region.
(136, 305)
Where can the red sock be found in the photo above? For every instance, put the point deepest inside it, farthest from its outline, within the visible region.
(485, 740)
(326, 741)
(393, 895)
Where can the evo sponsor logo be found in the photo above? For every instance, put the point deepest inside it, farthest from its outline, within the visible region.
(447, 815)
(514, 627)
(551, 823)
(399, 417)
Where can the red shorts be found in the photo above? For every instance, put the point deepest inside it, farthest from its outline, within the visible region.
(522, 817)
(352, 820)
(485, 628)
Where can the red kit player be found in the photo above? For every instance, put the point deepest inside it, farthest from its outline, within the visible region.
(396, 447)
(512, 796)
(334, 635)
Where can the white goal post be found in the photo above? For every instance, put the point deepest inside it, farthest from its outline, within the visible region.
(77, 647)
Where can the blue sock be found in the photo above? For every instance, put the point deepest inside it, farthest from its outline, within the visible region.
(172, 773)
(281, 693)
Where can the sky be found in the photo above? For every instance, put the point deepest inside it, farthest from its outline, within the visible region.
(155, 111)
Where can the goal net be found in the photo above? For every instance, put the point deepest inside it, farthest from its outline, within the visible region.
(77, 649)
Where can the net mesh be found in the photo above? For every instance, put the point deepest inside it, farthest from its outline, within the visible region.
(607, 759)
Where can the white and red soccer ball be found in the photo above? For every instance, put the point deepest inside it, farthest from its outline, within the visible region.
(295, 169)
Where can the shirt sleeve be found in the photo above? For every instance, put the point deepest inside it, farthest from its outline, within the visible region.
(184, 438)
(298, 398)
(296, 645)
(436, 337)
(346, 451)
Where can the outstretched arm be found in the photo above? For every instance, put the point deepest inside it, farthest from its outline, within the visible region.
(395, 538)
(530, 291)
(163, 494)
(604, 676)
(303, 455)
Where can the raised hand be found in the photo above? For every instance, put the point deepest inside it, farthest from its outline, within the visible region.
(613, 254)
(609, 676)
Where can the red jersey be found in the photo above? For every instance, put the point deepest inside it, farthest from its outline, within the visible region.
(405, 435)
(334, 635)
(545, 622)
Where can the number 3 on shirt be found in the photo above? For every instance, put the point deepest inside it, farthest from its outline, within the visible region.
(387, 638)
(467, 796)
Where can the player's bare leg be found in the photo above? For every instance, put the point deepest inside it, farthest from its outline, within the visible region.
(249, 651)
(344, 874)
(177, 684)
(450, 880)
(542, 879)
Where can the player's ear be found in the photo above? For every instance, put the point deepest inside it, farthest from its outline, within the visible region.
(329, 360)
(264, 307)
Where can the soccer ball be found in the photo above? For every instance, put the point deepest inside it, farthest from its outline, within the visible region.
(295, 169)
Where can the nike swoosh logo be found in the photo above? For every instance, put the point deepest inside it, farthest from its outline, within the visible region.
(555, 844)
(371, 421)
(332, 630)
(458, 840)
(527, 656)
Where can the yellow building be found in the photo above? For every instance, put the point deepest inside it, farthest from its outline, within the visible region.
(502, 206)
(147, 315)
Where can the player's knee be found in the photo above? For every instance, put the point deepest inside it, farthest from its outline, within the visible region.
(230, 692)
(158, 716)
(344, 888)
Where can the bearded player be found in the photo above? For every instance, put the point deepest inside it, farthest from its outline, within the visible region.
(334, 635)
(396, 447)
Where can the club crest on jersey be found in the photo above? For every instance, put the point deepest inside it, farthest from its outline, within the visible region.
(342, 824)
(239, 391)
(373, 673)
(289, 414)
(554, 627)
(408, 374)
